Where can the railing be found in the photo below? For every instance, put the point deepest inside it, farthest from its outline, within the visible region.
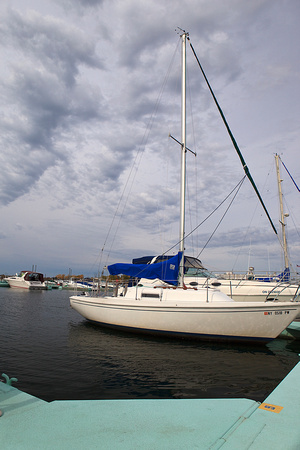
(284, 286)
(249, 275)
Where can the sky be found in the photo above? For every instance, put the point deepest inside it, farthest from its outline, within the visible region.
(90, 91)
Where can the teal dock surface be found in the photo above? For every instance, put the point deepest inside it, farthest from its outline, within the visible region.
(30, 423)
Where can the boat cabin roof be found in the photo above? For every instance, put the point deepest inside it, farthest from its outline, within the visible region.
(189, 261)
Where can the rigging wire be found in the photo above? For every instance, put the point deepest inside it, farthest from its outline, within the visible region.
(220, 221)
(289, 174)
(247, 232)
(134, 168)
(245, 167)
(290, 214)
(238, 186)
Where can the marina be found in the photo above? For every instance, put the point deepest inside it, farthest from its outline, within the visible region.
(58, 355)
(162, 309)
(119, 390)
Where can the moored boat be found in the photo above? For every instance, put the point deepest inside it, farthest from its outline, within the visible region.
(198, 313)
(252, 287)
(27, 280)
(77, 285)
(3, 283)
(161, 303)
(247, 288)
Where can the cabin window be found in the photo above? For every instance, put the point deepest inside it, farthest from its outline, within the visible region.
(148, 295)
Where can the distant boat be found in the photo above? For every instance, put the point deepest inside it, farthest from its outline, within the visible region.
(80, 285)
(3, 283)
(52, 285)
(27, 280)
(161, 303)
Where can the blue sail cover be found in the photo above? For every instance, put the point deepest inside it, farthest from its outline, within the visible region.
(283, 276)
(166, 270)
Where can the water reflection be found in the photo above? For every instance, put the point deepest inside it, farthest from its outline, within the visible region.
(56, 354)
(156, 368)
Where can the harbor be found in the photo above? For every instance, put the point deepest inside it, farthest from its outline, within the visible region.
(178, 389)
(137, 144)
(58, 355)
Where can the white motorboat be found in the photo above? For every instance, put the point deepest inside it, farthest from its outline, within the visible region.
(162, 304)
(27, 280)
(77, 285)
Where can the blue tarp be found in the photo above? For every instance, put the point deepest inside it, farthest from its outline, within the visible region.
(165, 270)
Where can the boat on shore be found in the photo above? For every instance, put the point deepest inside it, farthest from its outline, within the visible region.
(27, 279)
(162, 304)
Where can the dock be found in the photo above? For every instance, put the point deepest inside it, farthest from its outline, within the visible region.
(28, 422)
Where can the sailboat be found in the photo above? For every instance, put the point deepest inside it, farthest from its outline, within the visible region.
(251, 287)
(160, 303)
(241, 288)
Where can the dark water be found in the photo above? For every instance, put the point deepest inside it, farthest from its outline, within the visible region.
(56, 354)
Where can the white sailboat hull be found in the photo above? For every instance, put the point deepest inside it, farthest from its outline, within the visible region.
(193, 318)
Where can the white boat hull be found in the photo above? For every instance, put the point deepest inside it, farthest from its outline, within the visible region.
(26, 285)
(21, 282)
(221, 320)
(255, 291)
(251, 290)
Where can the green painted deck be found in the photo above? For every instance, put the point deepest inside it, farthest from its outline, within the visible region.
(31, 423)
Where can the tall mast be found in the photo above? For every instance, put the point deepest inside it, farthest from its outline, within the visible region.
(282, 215)
(183, 156)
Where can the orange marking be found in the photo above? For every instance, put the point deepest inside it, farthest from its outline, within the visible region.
(272, 408)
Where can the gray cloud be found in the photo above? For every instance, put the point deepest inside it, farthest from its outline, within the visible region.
(90, 88)
(54, 46)
(42, 95)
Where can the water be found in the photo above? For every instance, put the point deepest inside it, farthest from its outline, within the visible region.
(56, 354)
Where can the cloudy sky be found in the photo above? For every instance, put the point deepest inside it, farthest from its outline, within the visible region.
(90, 90)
